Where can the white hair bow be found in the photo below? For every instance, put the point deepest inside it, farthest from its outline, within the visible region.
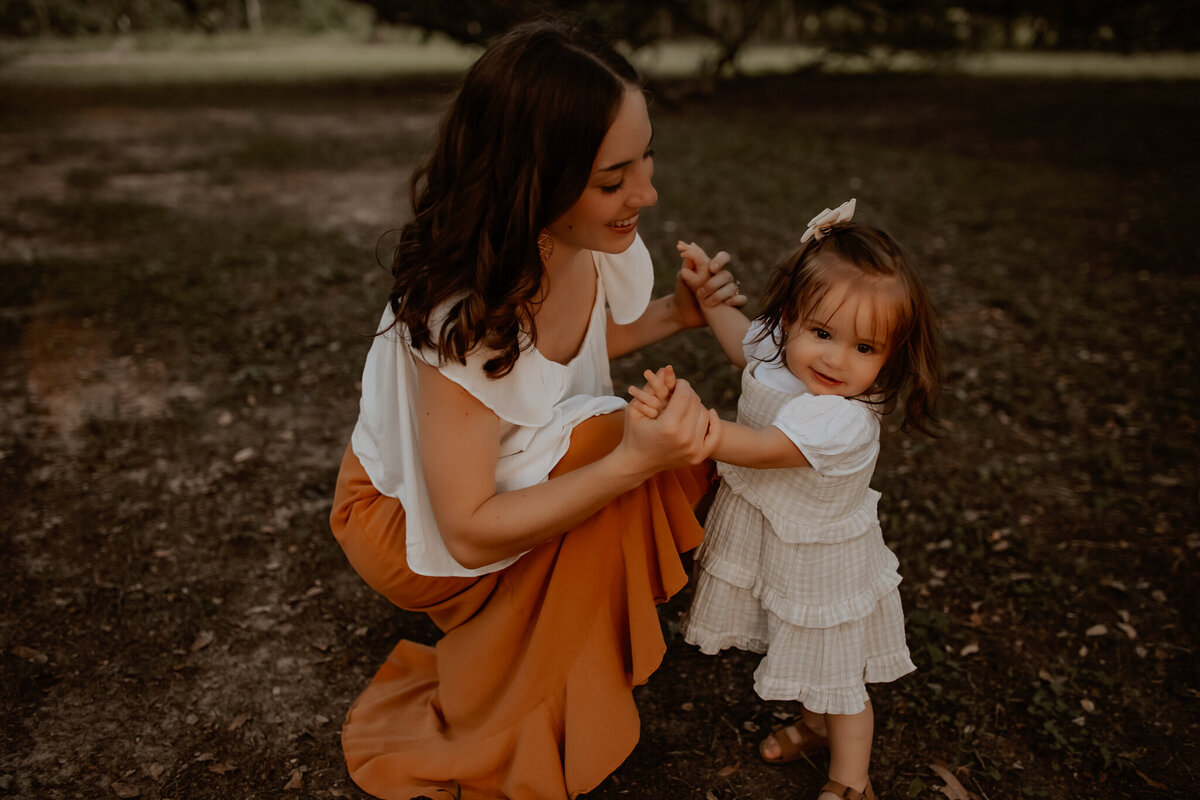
(819, 225)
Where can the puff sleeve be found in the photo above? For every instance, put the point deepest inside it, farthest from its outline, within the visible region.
(837, 435)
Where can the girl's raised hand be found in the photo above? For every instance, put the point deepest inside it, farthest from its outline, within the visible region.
(708, 278)
(650, 400)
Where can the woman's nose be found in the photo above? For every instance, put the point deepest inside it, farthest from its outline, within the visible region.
(644, 192)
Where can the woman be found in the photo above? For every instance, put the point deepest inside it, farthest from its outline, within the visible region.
(493, 481)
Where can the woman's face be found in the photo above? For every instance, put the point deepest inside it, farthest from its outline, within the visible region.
(605, 217)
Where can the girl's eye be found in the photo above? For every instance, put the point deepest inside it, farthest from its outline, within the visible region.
(616, 187)
(866, 349)
(821, 333)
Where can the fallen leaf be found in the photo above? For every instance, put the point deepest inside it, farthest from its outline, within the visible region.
(238, 721)
(970, 649)
(243, 455)
(1128, 630)
(1048, 678)
(322, 719)
(1087, 705)
(203, 640)
(29, 654)
(725, 772)
(1096, 630)
(220, 768)
(295, 782)
(953, 789)
(124, 790)
(155, 770)
(1151, 782)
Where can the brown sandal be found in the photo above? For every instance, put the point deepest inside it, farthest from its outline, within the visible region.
(798, 742)
(846, 793)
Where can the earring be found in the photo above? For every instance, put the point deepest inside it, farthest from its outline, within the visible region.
(545, 244)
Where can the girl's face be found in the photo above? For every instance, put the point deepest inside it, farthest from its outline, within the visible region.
(605, 217)
(840, 346)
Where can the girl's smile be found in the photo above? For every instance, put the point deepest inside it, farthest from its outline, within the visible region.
(823, 378)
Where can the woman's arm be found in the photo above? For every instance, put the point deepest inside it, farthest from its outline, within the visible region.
(459, 439)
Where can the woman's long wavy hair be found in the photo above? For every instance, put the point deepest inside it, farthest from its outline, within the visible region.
(871, 262)
(513, 154)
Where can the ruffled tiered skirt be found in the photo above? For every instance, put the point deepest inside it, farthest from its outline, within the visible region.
(529, 692)
(826, 613)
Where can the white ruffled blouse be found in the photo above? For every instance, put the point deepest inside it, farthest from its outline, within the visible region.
(539, 403)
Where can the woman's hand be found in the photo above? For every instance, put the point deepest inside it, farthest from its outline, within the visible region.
(683, 433)
(651, 399)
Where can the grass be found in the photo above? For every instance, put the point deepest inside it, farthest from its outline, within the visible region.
(184, 316)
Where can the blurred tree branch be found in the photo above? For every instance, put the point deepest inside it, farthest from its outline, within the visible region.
(853, 26)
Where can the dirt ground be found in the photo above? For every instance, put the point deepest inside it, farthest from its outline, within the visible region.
(188, 287)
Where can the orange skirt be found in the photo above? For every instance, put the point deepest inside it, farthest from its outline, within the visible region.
(529, 692)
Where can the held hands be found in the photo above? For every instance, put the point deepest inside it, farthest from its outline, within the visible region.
(651, 400)
(666, 425)
(708, 278)
(704, 282)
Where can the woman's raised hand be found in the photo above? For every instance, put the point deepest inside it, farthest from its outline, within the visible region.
(682, 431)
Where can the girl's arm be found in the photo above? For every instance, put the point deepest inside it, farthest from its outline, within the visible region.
(727, 322)
(767, 448)
(459, 439)
(678, 311)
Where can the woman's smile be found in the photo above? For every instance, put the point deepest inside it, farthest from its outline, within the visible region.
(626, 225)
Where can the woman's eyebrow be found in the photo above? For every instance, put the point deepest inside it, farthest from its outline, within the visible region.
(624, 164)
(615, 167)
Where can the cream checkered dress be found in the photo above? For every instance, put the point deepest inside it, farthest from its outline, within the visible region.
(794, 564)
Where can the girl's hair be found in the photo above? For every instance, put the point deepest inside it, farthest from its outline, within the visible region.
(514, 153)
(870, 261)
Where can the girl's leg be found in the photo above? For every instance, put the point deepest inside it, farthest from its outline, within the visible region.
(816, 722)
(850, 748)
(796, 739)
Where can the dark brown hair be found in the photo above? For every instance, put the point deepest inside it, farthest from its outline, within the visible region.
(513, 154)
(872, 262)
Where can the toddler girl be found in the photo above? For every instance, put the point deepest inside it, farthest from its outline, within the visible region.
(794, 564)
